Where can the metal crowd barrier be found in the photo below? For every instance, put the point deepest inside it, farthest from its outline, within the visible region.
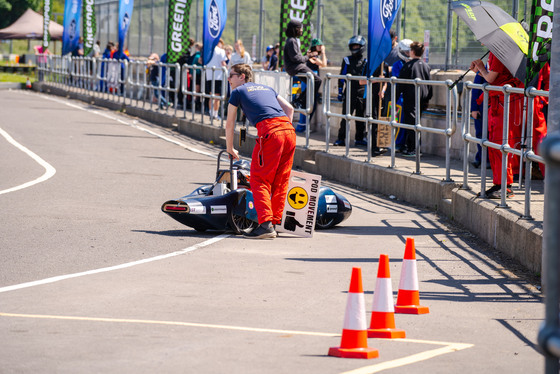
(525, 151)
(451, 115)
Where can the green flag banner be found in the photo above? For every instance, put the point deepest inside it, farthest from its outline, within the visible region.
(540, 37)
(47, 13)
(299, 11)
(89, 24)
(178, 29)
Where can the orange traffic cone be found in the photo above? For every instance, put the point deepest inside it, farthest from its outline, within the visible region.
(354, 335)
(28, 83)
(408, 298)
(383, 312)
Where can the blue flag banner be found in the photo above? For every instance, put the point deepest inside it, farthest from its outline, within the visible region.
(215, 15)
(71, 23)
(125, 15)
(382, 13)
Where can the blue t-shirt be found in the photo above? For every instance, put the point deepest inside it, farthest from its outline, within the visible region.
(259, 102)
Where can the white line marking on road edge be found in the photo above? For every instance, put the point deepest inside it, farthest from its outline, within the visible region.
(171, 323)
(49, 170)
(116, 267)
(422, 356)
(132, 124)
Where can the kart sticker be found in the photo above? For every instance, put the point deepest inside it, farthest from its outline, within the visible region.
(196, 207)
(347, 204)
(330, 199)
(218, 209)
(332, 208)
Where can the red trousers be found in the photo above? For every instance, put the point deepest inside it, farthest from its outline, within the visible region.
(539, 128)
(271, 166)
(495, 135)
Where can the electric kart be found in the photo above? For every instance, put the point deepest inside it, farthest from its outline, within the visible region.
(228, 205)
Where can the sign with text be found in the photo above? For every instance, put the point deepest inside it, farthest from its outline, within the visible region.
(302, 201)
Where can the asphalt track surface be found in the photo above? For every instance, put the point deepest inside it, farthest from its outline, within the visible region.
(94, 278)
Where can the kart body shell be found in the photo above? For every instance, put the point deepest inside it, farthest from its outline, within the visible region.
(230, 206)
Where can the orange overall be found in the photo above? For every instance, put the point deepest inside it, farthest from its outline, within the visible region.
(271, 165)
(496, 121)
(539, 118)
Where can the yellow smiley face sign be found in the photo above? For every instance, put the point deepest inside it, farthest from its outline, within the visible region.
(298, 198)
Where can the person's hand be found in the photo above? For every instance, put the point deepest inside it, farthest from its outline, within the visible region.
(313, 59)
(477, 65)
(233, 153)
(475, 114)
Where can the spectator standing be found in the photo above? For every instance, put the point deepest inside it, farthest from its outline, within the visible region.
(394, 54)
(295, 62)
(96, 49)
(229, 52)
(240, 56)
(217, 61)
(356, 65)
(196, 60)
(41, 58)
(154, 75)
(540, 114)
(498, 75)
(273, 154)
(415, 68)
(404, 56)
(477, 111)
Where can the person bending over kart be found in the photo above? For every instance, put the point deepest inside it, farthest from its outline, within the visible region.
(273, 154)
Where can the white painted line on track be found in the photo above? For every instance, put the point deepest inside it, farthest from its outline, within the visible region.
(49, 170)
(116, 267)
(171, 323)
(131, 124)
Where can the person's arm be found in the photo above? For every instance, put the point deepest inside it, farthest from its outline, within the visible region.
(294, 54)
(230, 131)
(478, 67)
(286, 107)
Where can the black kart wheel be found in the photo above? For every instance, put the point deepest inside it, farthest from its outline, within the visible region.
(324, 223)
(241, 224)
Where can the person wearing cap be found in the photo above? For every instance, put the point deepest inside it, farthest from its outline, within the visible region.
(295, 62)
(270, 62)
(274, 150)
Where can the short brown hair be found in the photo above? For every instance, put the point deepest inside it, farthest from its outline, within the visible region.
(417, 48)
(244, 69)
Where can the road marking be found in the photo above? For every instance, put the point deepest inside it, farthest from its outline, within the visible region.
(422, 356)
(170, 323)
(408, 360)
(49, 170)
(112, 268)
(131, 124)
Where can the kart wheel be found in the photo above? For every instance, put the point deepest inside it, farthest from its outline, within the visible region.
(241, 224)
(324, 223)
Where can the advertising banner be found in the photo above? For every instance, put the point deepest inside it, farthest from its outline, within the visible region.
(47, 13)
(71, 23)
(125, 15)
(178, 29)
(540, 37)
(215, 16)
(89, 28)
(302, 201)
(382, 13)
(300, 11)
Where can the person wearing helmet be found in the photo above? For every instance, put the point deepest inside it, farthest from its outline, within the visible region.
(354, 64)
(404, 56)
(295, 62)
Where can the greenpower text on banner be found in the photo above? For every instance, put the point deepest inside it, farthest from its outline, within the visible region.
(178, 29)
(89, 25)
(297, 10)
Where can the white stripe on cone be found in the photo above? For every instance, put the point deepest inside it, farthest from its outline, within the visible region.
(409, 276)
(383, 296)
(355, 315)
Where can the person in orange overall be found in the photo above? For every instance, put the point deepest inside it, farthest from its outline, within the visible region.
(498, 75)
(273, 154)
(540, 111)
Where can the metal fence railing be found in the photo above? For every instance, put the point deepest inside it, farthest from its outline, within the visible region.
(178, 88)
